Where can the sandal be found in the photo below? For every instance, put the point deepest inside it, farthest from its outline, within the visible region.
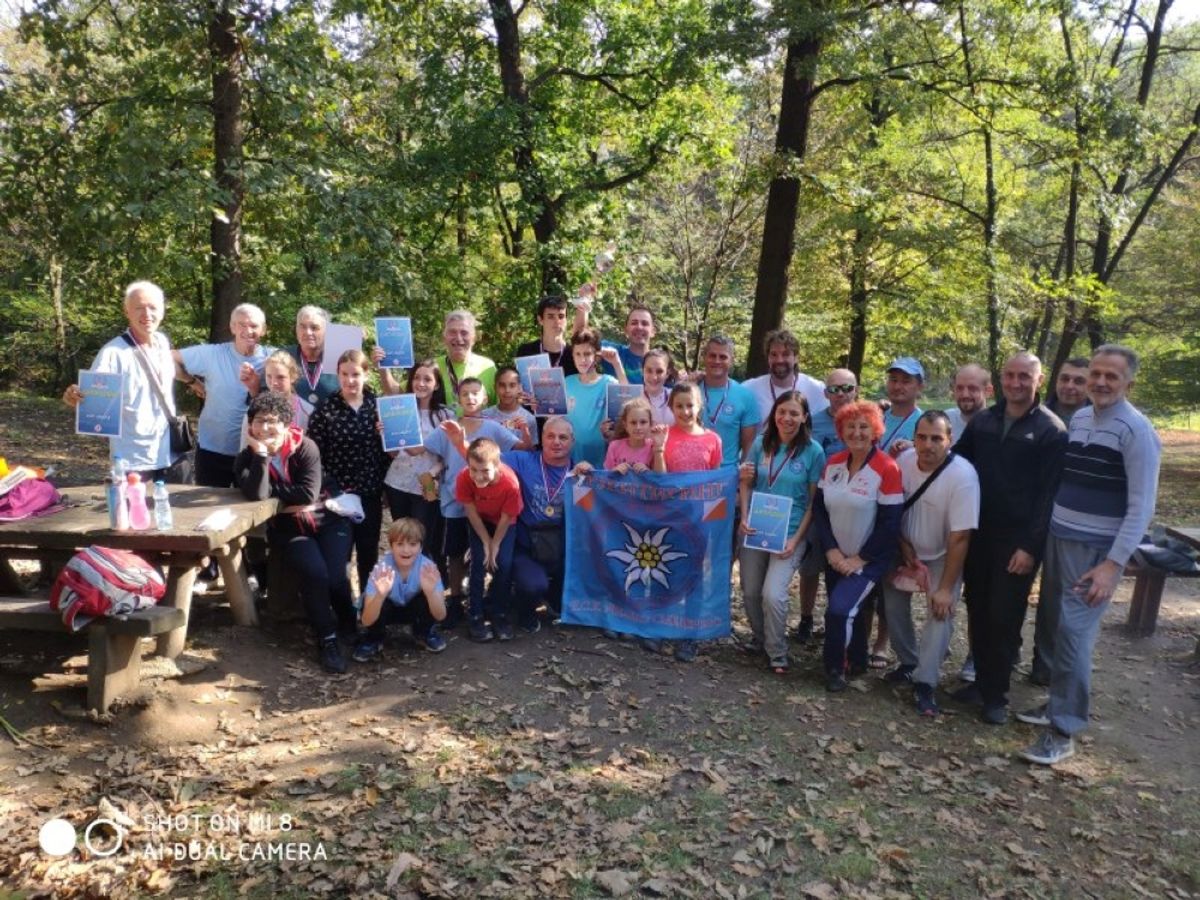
(877, 661)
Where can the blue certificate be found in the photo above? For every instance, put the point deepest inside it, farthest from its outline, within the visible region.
(769, 515)
(394, 335)
(525, 363)
(99, 412)
(549, 391)
(401, 421)
(618, 395)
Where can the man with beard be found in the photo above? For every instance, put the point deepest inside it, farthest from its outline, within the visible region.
(972, 390)
(783, 351)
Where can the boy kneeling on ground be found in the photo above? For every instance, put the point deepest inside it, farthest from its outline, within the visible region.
(412, 587)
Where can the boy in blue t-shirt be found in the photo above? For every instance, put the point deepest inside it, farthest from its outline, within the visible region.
(405, 587)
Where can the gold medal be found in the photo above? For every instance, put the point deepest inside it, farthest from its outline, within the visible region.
(312, 398)
(550, 510)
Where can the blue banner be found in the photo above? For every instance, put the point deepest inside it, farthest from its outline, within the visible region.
(650, 554)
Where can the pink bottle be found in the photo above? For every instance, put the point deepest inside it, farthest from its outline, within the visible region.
(139, 512)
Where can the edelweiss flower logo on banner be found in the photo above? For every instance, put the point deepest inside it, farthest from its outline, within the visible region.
(646, 557)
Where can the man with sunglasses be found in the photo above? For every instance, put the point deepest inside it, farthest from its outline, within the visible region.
(841, 388)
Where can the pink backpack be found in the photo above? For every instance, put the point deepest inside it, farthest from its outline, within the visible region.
(32, 497)
(101, 581)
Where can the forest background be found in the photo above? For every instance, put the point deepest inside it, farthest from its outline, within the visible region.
(951, 180)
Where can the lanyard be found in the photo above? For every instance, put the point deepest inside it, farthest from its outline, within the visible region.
(773, 474)
(309, 375)
(771, 385)
(550, 495)
(555, 361)
(713, 418)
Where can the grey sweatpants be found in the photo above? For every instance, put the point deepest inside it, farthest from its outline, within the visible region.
(1075, 640)
(935, 637)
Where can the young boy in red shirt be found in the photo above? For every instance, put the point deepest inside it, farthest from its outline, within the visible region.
(491, 495)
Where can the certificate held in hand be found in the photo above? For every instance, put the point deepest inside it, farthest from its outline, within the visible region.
(549, 391)
(99, 412)
(619, 395)
(769, 515)
(524, 363)
(401, 420)
(394, 336)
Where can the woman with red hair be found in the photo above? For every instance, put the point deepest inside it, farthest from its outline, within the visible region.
(856, 514)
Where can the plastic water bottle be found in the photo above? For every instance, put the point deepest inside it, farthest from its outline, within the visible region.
(163, 520)
(139, 512)
(118, 505)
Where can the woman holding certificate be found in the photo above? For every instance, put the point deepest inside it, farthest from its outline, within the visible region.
(344, 428)
(778, 481)
(856, 514)
(411, 482)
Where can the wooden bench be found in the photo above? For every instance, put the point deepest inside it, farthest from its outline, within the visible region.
(114, 643)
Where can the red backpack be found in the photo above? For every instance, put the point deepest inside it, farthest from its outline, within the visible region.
(101, 581)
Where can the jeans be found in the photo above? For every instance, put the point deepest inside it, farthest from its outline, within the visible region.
(533, 581)
(366, 538)
(1075, 641)
(500, 594)
(319, 562)
(935, 637)
(765, 578)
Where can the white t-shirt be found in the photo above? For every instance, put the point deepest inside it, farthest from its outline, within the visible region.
(950, 504)
(765, 393)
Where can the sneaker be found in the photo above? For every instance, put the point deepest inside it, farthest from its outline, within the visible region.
(926, 704)
(969, 695)
(779, 665)
(967, 673)
(330, 655)
(835, 682)
(433, 641)
(1036, 716)
(503, 630)
(366, 650)
(650, 645)
(1050, 748)
(532, 625)
(900, 675)
(804, 631)
(685, 651)
(994, 713)
(480, 631)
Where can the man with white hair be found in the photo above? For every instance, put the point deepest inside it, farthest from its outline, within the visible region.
(141, 355)
(460, 362)
(315, 383)
(227, 370)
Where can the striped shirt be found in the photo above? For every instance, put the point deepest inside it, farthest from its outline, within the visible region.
(1109, 480)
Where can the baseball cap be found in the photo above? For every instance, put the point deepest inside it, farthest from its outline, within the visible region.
(908, 365)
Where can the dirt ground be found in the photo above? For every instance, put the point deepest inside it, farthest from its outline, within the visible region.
(563, 764)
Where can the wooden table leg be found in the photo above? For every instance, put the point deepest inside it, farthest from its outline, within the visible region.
(114, 662)
(232, 563)
(1147, 597)
(180, 580)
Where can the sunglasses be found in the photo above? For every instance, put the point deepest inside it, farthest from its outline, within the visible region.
(841, 388)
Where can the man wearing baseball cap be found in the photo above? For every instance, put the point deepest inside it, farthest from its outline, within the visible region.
(905, 382)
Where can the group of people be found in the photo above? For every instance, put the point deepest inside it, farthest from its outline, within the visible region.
(885, 502)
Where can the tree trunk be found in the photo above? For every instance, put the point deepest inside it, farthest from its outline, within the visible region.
(783, 196)
(990, 212)
(533, 186)
(65, 375)
(859, 300)
(225, 51)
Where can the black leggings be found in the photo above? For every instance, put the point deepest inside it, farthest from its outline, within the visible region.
(366, 538)
(319, 562)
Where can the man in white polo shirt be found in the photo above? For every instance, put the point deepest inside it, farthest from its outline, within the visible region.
(941, 509)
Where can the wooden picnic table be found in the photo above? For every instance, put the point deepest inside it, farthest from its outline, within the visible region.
(1149, 586)
(55, 538)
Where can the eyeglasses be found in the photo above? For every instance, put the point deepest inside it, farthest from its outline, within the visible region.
(841, 388)
(268, 423)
